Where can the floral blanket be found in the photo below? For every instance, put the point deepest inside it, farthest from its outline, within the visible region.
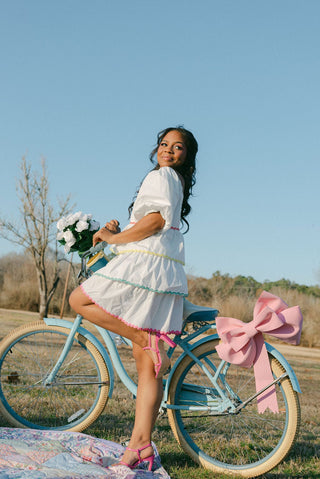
(38, 454)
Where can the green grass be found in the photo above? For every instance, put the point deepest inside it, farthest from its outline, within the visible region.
(116, 422)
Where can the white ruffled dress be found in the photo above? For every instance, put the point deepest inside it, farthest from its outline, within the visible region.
(145, 283)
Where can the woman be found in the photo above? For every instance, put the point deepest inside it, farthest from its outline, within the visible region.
(139, 294)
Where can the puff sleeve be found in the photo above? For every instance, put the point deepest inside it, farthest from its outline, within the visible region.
(160, 191)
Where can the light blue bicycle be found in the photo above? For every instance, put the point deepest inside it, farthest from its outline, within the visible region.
(56, 374)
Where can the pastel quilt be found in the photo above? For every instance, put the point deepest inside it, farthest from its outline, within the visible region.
(38, 454)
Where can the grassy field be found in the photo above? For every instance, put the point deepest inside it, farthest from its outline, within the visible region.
(116, 422)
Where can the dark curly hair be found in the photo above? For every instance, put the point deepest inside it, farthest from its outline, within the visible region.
(187, 170)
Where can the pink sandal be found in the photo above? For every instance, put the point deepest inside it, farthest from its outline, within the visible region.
(140, 460)
(159, 367)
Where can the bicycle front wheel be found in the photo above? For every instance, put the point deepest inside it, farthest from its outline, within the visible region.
(245, 444)
(75, 398)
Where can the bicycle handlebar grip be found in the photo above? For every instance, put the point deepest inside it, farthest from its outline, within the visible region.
(98, 247)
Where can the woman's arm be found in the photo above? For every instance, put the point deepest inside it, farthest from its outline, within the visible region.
(147, 226)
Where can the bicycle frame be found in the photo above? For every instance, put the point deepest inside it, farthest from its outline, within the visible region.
(184, 343)
(111, 348)
(188, 348)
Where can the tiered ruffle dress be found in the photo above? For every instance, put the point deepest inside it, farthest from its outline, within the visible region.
(145, 283)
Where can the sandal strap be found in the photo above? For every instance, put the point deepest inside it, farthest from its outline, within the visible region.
(149, 344)
(139, 450)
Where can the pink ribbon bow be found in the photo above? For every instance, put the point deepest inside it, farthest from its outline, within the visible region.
(243, 343)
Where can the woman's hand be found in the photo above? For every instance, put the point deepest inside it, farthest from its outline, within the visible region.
(113, 226)
(147, 226)
(106, 233)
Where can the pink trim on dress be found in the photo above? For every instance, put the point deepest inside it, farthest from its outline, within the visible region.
(151, 330)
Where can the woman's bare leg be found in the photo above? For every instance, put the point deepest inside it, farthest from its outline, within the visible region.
(149, 396)
(93, 313)
(150, 389)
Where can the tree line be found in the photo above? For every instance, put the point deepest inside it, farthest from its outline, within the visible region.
(236, 296)
(232, 296)
(224, 284)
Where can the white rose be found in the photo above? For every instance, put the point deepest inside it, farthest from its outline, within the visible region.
(86, 217)
(62, 223)
(81, 226)
(71, 219)
(94, 225)
(70, 239)
(78, 215)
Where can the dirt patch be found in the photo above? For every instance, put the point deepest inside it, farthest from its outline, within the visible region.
(298, 351)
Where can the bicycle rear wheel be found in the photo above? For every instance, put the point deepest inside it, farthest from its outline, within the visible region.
(78, 394)
(245, 444)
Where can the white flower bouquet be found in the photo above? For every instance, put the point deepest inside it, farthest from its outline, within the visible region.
(75, 232)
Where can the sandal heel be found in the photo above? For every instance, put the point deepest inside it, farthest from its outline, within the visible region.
(148, 459)
(167, 340)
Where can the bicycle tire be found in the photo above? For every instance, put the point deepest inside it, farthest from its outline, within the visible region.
(248, 444)
(78, 394)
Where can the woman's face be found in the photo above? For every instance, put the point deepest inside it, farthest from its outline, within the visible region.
(172, 150)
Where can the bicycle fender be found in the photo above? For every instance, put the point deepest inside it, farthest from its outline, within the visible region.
(271, 349)
(282, 360)
(95, 341)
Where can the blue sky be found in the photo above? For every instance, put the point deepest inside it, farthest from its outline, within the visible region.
(88, 85)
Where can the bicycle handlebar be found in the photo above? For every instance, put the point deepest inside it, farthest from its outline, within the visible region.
(98, 247)
(94, 249)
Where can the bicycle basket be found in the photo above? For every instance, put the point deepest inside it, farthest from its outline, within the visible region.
(97, 261)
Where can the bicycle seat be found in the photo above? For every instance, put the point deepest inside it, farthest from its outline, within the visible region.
(193, 312)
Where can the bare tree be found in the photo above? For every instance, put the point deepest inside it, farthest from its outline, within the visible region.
(35, 232)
